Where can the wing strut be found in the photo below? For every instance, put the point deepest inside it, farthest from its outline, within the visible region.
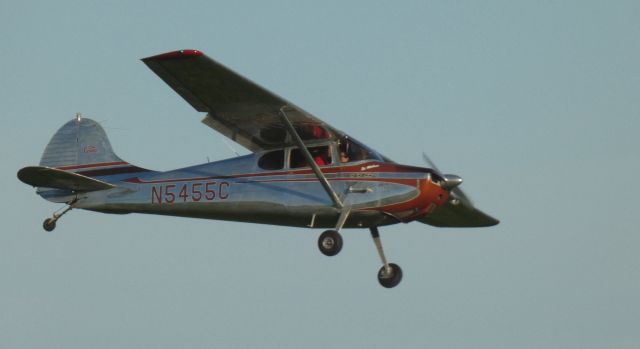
(316, 169)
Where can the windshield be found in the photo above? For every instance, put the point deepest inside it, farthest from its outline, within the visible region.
(352, 150)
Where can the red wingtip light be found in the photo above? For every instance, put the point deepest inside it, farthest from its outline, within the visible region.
(175, 55)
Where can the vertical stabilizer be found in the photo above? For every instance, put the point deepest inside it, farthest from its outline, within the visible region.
(79, 142)
(81, 146)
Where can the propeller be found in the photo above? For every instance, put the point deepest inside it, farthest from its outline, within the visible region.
(449, 182)
(459, 210)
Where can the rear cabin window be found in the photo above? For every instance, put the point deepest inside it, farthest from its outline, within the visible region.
(321, 155)
(273, 160)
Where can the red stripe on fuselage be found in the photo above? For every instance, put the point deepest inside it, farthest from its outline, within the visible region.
(370, 167)
(404, 181)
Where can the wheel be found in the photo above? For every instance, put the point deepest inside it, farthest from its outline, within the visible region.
(391, 279)
(49, 224)
(330, 243)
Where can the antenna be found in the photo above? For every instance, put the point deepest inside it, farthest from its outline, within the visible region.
(230, 147)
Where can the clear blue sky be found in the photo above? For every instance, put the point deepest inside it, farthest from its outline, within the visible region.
(534, 104)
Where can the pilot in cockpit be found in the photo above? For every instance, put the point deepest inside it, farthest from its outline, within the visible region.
(350, 151)
(344, 157)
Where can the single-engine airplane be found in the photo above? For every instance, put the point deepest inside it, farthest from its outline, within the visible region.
(302, 172)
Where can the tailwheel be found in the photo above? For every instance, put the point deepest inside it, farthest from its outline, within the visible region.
(330, 243)
(390, 275)
(49, 224)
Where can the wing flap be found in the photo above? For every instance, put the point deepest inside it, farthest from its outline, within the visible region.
(236, 107)
(48, 177)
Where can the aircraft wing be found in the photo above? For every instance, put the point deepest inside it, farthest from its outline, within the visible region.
(236, 107)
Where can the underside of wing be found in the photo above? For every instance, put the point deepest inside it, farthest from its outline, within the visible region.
(459, 216)
(459, 212)
(47, 177)
(236, 107)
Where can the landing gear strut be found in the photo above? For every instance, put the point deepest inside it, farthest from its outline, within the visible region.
(49, 224)
(390, 274)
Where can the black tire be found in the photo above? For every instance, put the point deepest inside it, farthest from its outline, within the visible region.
(392, 279)
(49, 224)
(330, 243)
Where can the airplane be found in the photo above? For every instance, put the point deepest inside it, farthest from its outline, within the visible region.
(301, 171)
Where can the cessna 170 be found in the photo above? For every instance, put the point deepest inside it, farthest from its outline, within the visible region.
(302, 172)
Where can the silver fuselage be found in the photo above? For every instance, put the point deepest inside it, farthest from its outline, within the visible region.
(378, 193)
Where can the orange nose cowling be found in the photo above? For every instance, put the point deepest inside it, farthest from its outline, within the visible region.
(430, 196)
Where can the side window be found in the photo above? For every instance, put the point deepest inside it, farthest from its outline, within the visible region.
(321, 155)
(273, 160)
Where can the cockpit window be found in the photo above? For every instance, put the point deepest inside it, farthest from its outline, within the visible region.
(321, 155)
(351, 150)
(273, 160)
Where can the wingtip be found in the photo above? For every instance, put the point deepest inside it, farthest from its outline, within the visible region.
(23, 174)
(489, 221)
(180, 54)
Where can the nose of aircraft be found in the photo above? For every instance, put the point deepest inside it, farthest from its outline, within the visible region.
(450, 181)
(433, 194)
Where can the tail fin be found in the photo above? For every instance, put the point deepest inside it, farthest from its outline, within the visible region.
(78, 158)
(81, 146)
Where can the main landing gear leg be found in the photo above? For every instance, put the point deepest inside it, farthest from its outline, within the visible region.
(50, 223)
(390, 274)
(330, 242)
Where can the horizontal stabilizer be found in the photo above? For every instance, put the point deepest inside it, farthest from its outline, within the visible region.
(459, 215)
(42, 176)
